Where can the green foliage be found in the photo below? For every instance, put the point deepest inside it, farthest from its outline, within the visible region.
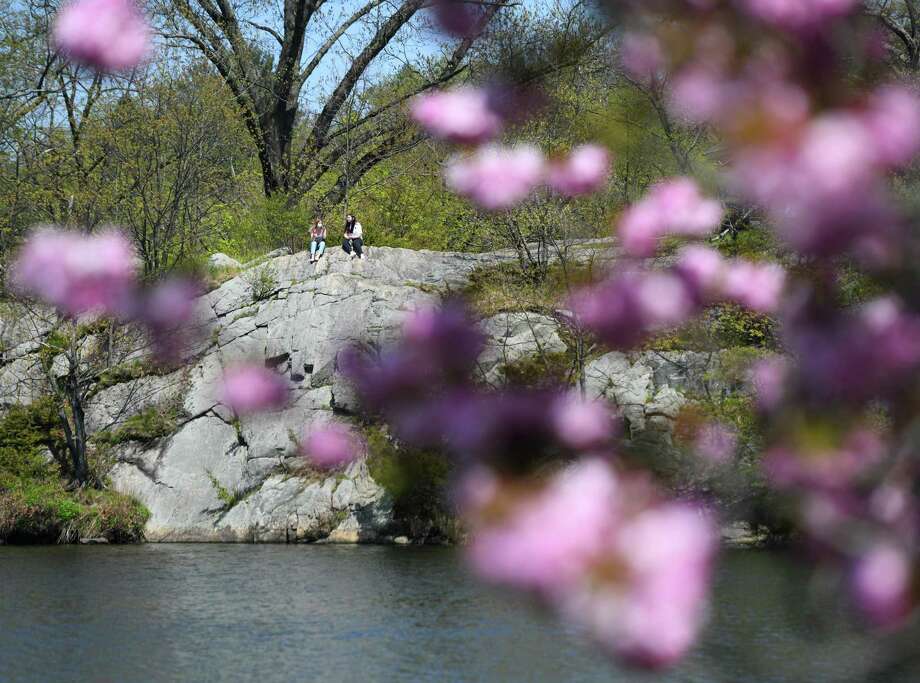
(25, 432)
(417, 482)
(45, 512)
(737, 326)
(757, 243)
(154, 422)
(263, 282)
(505, 287)
(226, 496)
(540, 370)
(125, 372)
(35, 505)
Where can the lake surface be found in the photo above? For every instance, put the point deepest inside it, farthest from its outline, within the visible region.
(360, 613)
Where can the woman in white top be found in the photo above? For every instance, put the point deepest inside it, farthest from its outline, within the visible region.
(353, 237)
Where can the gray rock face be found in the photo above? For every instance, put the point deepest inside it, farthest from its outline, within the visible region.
(219, 260)
(511, 337)
(219, 478)
(222, 479)
(650, 388)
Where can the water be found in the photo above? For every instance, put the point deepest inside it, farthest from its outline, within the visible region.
(340, 613)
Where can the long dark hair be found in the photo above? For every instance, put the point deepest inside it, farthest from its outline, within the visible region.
(349, 224)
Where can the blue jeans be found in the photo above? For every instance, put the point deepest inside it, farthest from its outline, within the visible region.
(317, 247)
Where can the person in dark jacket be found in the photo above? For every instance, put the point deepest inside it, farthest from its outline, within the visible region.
(354, 241)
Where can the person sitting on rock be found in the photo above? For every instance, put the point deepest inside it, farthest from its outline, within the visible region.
(317, 240)
(353, 243)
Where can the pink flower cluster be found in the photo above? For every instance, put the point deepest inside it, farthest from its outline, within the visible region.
(606, 553)
(107, 35)
(460, 18)
(332, 445)
(674, 207)
(97, 275)
(465, 115)
(631, 304)
(251, 388)
(78, 273)
(497, 178)
(798, 14)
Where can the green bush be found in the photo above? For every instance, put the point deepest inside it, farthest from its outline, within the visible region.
(154, 422)
(417, 482)
(45, 512)
(263, 281)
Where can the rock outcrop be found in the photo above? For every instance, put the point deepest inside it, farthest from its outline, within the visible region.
(216, 477)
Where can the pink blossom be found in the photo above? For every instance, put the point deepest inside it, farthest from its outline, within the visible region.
(824, 466)
(167, 310)
(549, 537)
(463, 115)
(652, 613)
(248, 389)
(675, 206)
(332, 445)
(461, 18)
(881, 584)
(580, 424)
(757, 286)
(699, 94)
(108, 35)
(584, 171)
(798, 14)
(716, 442)
(78, 273)
(629, 304)
(893, 122)
(496, 177)
(704, 268)
(641, 56)
(768, 378)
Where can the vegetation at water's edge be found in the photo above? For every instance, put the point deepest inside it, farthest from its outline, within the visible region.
(36, 504)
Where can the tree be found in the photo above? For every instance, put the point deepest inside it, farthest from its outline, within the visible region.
(263, 66)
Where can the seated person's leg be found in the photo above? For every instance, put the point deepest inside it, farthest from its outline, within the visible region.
(321, 248)
(346, 245)
(358, 244)
(312, 247)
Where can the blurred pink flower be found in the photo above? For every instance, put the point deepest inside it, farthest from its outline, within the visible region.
(768, 378)
(461, 18)
(580, 424)
(463, 115)
(704, 268)
(641, 56)
(248, 389)
(716, 442)
(167, 310)
(78, 273)
(628, 305)
(332, 445)
(549, 537)
(699, 94)
(496, 177)
(798, 14)
(107, 35)
(830, 467)
(584, 171)
(651, 609)
(881, 584)
(674, 206)
(893, 122)
(757, 286)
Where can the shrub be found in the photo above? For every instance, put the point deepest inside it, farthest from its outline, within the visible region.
(263, 282)
(417, 482)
